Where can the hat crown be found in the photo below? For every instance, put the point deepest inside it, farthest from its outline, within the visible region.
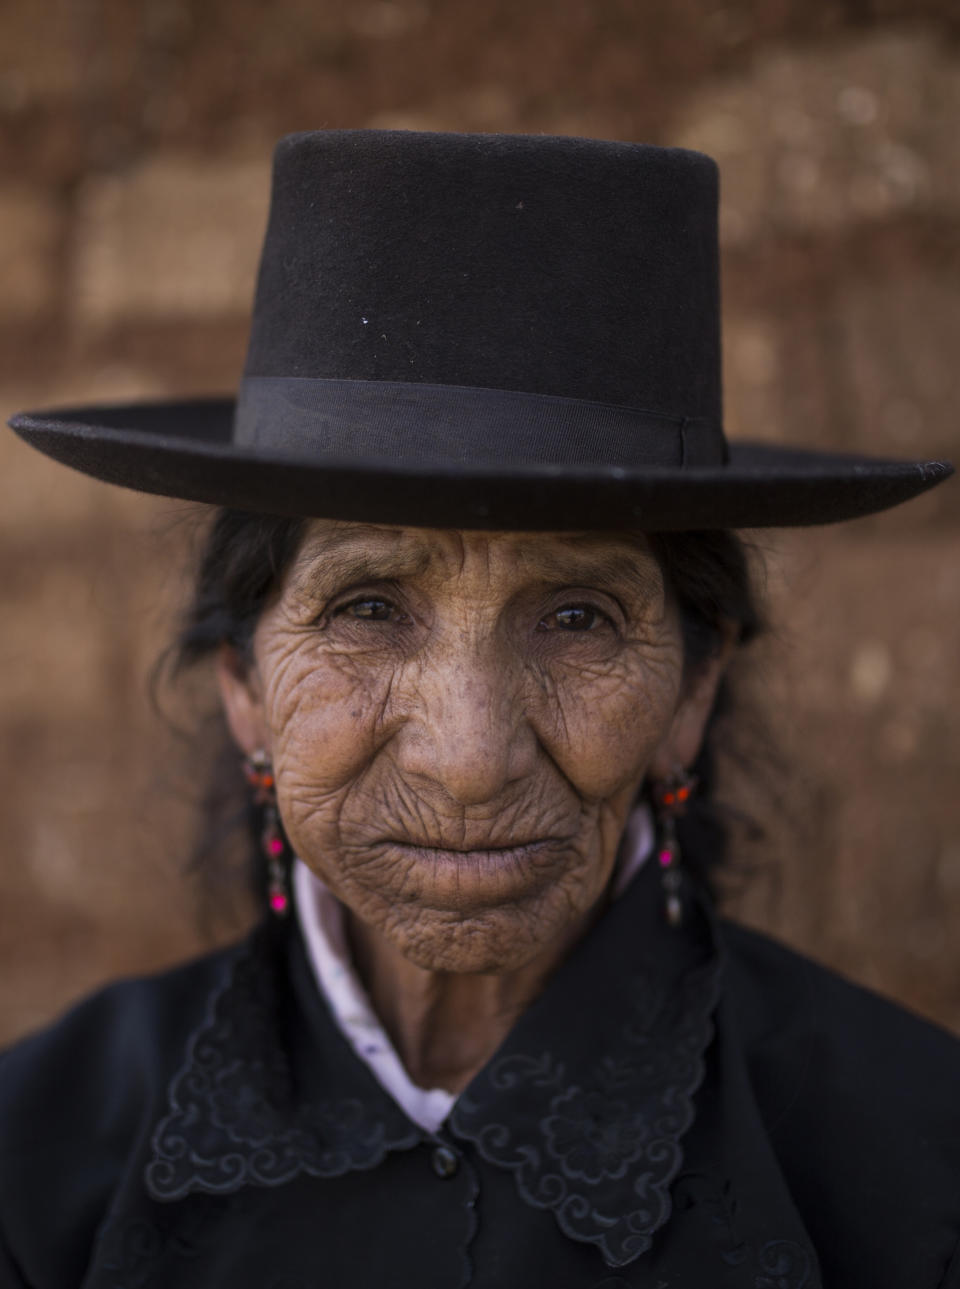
(576, 268)
(480, 331)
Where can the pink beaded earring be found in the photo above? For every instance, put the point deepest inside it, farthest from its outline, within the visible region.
(670, 800)
(259, 771)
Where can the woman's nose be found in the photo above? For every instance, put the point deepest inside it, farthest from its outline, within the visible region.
(465, 729)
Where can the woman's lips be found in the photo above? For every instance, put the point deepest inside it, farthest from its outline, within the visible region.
(512, 853)
(481, 877)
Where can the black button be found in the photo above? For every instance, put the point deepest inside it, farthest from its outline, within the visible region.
(445, 1161)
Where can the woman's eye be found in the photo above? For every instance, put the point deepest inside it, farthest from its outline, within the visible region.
(573, 617)
(369, 609)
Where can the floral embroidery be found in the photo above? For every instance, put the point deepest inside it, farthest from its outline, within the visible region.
(783, 1265)
(594, 1137)
(132, 1249)
(778, 1264)
(138, 1254)
(233, 1117)
(589, 1120)
(715, 1199)
(603, 1156)
(597, 1144)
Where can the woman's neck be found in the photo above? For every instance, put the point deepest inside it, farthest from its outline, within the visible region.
(446, 1025)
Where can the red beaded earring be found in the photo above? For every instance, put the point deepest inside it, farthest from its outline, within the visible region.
(259, 771)
(670, 800)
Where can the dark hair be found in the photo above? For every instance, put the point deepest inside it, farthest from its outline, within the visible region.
(244, 556)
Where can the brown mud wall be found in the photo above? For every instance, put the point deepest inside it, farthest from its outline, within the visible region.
(134, 149)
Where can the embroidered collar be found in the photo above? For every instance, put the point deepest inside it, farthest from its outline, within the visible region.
(585, 1103)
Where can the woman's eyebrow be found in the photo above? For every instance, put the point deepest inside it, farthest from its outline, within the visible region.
(608, 570)
(341, 559)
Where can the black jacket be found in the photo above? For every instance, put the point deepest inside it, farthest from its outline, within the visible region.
(699, 1109)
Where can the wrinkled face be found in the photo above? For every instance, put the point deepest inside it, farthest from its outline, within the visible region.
(460, 722)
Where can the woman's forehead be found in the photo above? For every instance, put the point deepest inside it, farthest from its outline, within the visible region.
(329, 543)
(335, 549)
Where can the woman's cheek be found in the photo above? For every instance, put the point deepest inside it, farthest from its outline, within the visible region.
(611, 725)
(322, 712)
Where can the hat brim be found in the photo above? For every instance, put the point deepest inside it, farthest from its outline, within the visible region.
(183, 449)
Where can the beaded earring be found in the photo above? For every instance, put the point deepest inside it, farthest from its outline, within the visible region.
(670, 799)
(258, 769)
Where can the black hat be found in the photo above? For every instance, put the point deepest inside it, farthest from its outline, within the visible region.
(480, 331)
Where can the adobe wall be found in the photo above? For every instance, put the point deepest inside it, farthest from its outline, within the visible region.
(134, 152)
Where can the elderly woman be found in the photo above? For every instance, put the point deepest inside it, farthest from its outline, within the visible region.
(470, 599)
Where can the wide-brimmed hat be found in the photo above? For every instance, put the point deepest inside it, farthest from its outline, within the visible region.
(480, 331)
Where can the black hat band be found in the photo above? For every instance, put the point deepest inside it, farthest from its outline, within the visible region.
(418, 424)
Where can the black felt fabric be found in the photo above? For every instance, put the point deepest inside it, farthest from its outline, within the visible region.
(449, 265)
(562, 266)
(186, 452)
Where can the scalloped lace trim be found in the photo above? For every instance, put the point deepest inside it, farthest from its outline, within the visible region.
(604, 1154)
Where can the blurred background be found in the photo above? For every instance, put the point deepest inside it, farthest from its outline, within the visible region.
(135, 139)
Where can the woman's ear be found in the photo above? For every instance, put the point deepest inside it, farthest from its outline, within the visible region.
(681, 744)
(242, 700)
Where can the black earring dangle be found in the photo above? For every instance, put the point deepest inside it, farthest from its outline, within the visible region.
(258, 769)
(670, 800)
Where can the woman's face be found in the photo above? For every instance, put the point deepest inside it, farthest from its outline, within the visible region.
(460, 722)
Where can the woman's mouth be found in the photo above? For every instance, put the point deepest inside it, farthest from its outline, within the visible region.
(511, 852)
(445, 876)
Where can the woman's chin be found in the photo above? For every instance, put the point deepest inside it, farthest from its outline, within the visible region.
(479, 913)
(498, 942)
